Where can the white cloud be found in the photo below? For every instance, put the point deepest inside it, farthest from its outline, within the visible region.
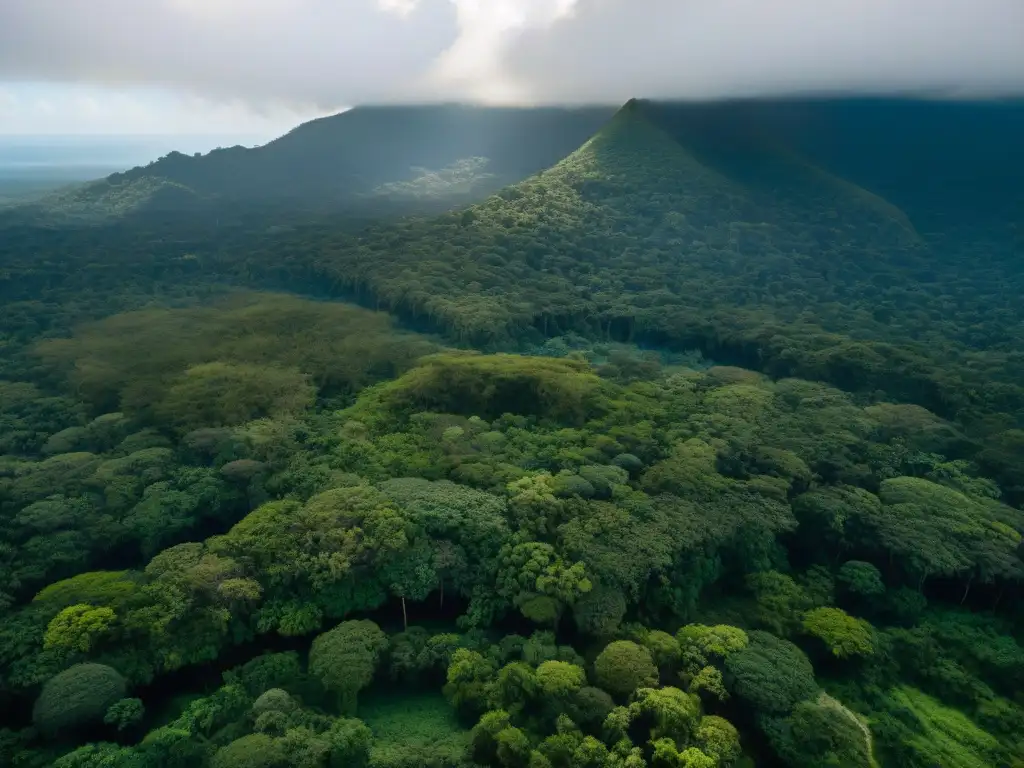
(84, 109)
(703, 48)
(475, 63)
(324, 54)
(401, 8)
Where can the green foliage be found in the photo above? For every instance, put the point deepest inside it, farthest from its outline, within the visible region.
(489, 386)
(781, 602)
(484, 737)
(266, 672)
(100, 755)
(821, 733)
(273, 700)
(709, 682)
(249, 356)
(922, 732)
(666, 713)
(124, 713)
(718, 738)
(590, 707)
(411, 730)
(860, 578)
(345, 659)
(219, 394)
(77, 627)
(256, 750)
(623, 667)
(770, 674)
(559, 679)
(844, 635)
(700, 645)
(77, 697)
(936, 530)
(320, 464)
(468, 682)
(600, 611)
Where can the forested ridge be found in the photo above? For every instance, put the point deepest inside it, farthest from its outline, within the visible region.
(667, 456)
(423, 158)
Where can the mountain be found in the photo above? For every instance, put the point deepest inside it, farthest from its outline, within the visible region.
(796, 237)
(410, 158)
(740, 229)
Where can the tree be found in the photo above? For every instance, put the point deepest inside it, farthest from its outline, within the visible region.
(819, 734)
(701, 645)
(718, 738)
(221, 394)
(770, 673)
(537, 581)
(666, 713)
(256, 750)
(124, 713)
(109, 588)
(935, 530)
(273, 700)
(350, 742)
(270, 670)
(590, 706)
(861, 579)
(345, 659)
(77, 697)
(781, 602)
(78, 627)
(513, 748)
(100, 755)
(844, 635)
(600, 611)
(667, 755)
(664, 650)
(709, 682)
(483, 739)
(468, 681)
(559, 680)
(623, 666)
(514, 688)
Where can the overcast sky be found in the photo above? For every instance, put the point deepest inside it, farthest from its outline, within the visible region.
(260, 66)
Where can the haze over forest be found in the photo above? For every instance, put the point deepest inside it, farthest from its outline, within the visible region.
(519, 384)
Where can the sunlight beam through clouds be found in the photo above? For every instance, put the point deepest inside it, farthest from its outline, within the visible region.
(474, 64)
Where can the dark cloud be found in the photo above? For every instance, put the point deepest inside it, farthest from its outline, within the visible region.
(333, 52)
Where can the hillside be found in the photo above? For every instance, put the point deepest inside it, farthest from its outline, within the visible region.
(407, 158)
(753, 244)
(748, 230)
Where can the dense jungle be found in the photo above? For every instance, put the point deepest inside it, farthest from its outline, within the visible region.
(684, 436)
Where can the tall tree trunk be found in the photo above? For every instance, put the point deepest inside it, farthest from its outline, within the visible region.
(441, 606)
(405, 617)
(967, 589)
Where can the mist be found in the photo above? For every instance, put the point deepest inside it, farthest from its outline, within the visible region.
(325, 54)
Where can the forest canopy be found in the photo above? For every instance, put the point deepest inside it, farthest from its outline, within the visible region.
(656, 460)
(688, 566)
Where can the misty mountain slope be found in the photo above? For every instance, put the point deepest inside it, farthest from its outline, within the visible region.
(102, 200)
(630, 221)
(363, 157)
(750, 248)
(950, 165)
